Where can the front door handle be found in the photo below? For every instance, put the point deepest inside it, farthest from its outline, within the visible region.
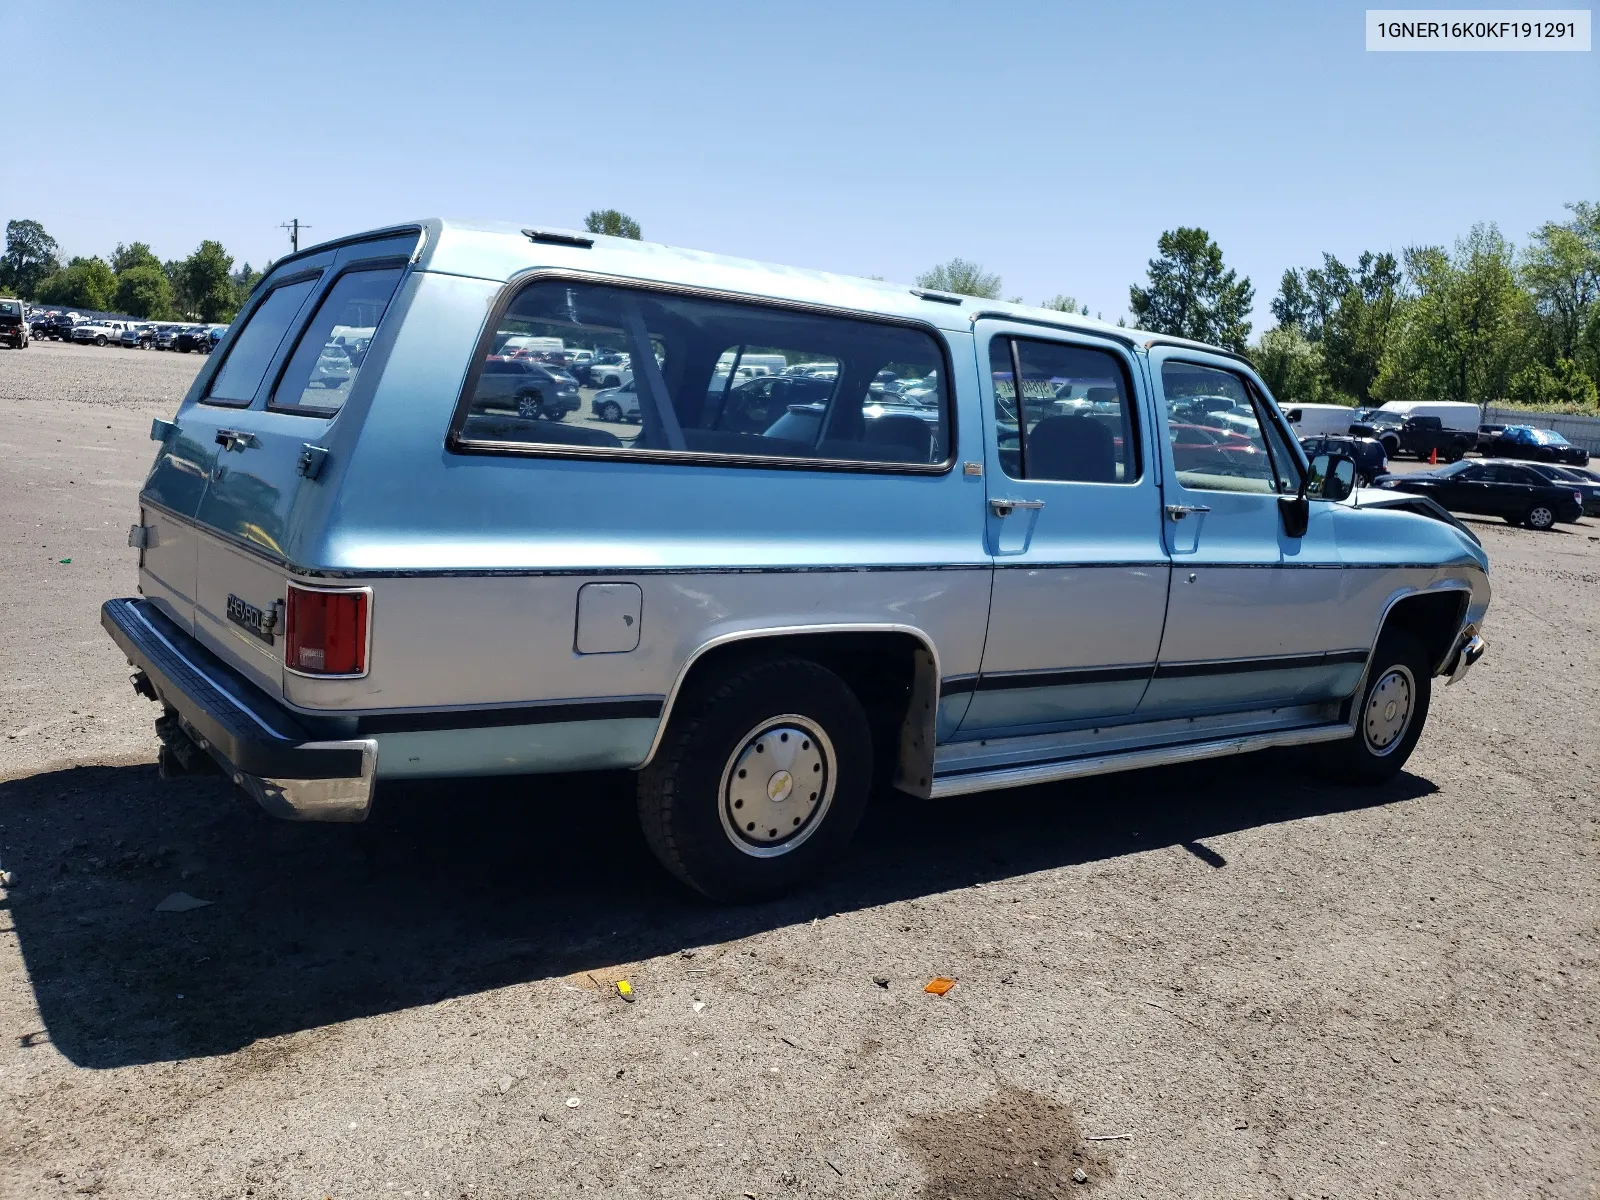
(1179, 511)
(1004, 508)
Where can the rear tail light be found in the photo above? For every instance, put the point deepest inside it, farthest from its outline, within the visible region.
(325, 632)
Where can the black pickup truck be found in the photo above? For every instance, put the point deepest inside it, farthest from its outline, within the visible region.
(1416, 436)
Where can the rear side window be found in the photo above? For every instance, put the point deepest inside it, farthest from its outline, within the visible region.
(241, 372)
(330, 352)
(709, 377)
(1075, 421)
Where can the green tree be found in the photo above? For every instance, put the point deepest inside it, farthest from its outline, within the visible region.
(1464, 333)
(1566, 387)
(1062, 302)
(1561, 268)
(961, 278)
(1192, 294)
(30, 258)
(144, 291)
(83, 283)
(1291, 364)
(136, 255)
(612, 223)
(244, 282)
(205, 283)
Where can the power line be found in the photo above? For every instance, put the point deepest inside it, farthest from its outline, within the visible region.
(294, 227)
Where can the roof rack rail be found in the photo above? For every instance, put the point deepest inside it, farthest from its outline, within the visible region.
(555, 237)
(937, 297)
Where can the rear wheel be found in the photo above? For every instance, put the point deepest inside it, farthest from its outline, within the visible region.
(1540, 517)
(760, 781)
(1389, 714)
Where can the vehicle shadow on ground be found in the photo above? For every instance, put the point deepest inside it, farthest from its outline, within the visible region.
(456, 888)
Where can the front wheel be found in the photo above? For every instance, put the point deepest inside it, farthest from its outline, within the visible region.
(1540, 517)
(100, 340)
(1389, 714)
(611, 411)
(760, 781)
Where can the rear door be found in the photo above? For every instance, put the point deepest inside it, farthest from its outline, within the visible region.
(283, 380)
(1074, 528)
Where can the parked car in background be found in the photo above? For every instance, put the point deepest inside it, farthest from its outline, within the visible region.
(166, 337)
(192, 337)
(1485, 434)
(1587, 482)
(137, 337)
(610, 370)
(1457, 415)
(527, 388)
(578, 364)
(101, 333)
(1420, 437)
(1495, 489)
(616, 404)
(14, 330)
(1319, 420)
(1371, 462)
(1538, 445)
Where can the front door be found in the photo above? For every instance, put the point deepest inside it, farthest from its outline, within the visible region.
(1251, 606)
(1074, 528)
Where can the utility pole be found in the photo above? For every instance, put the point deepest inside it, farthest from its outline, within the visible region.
(294, 227)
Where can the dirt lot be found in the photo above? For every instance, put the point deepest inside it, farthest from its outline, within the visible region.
(1250, 983)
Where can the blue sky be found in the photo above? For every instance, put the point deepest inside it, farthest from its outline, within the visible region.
(1051, 142)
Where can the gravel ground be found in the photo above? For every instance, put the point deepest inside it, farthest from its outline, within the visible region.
(1226, 981)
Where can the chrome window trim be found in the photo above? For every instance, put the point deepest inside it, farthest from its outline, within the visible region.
(520, 282)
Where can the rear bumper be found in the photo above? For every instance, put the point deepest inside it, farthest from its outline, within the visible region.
(261, 744)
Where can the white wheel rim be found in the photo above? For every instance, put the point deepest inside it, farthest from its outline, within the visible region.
(1388, 711)
(777, 786)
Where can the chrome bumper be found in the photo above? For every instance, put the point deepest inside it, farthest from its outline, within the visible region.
(262, 746)
(1468, 651)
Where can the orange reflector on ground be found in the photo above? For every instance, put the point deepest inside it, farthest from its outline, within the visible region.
(939, 985)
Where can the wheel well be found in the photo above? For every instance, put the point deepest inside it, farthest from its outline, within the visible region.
(887, 670)
(1434, 618)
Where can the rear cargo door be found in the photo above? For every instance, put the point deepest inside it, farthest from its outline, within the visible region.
(273, 403)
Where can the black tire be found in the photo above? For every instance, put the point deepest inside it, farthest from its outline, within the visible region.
(687, 795)
(99, 339)
(1367, 757)
(530, 406)
(1540, 517)
(611, 411)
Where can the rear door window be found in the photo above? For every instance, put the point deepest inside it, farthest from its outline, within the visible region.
(330, 352)
(241, 373)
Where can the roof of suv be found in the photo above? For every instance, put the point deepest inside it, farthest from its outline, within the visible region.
(499, 251)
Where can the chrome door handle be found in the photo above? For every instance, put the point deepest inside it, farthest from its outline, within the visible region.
(1004, 508)
(233, 439)
(1179, 511)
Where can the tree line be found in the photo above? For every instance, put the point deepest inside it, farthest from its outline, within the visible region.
(1481, 321)
(202, 287)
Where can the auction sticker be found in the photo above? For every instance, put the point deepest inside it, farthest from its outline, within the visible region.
(1478, 29)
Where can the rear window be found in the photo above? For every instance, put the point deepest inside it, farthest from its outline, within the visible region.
(10, 308)
(241, 372)
(710, 380)
(330, 352)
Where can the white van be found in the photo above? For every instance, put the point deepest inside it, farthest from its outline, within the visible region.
(1452, 414)
(1320, 420)
(756, 364)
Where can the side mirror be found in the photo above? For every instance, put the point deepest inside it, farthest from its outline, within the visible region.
(1332, 477)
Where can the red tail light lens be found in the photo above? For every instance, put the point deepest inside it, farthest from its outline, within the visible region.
(326, 632)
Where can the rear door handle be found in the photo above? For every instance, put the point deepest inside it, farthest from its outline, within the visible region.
(1004, 508)
(234, 439)
(1179, 511)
